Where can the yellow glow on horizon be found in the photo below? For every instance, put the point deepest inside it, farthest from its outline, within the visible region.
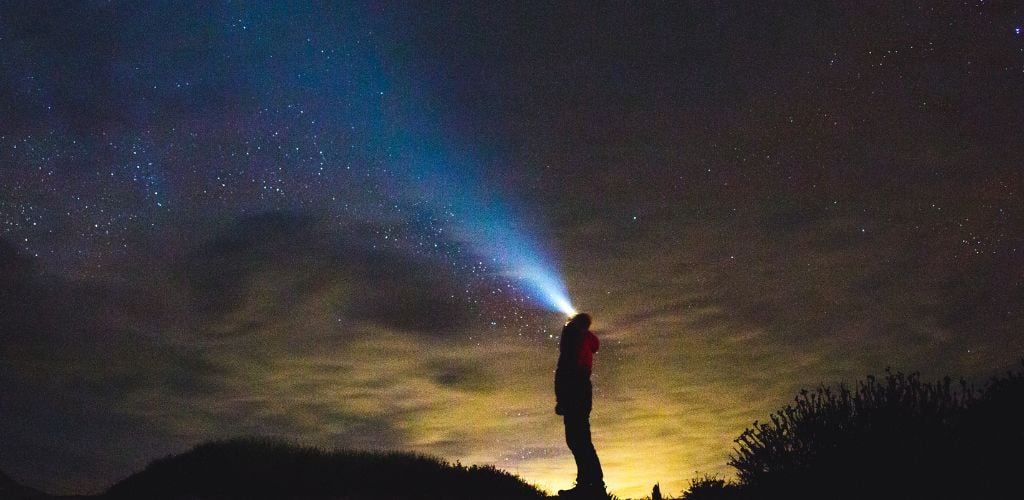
(490, 401)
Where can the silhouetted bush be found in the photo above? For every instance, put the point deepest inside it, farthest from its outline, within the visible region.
(711, 488)
(897, 437)
(993, 433)
(261, 468)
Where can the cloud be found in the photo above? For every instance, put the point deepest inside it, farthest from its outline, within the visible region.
(73, 361)
(263, 268)
(287, 329)
(283, 324)
(459, 374)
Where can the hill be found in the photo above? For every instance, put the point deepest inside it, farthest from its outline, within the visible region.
(261, 468)
(9, 488)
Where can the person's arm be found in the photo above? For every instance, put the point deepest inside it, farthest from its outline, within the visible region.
(590, 342)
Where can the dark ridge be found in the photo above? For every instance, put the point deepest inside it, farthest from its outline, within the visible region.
(264, 468)
(10, 489)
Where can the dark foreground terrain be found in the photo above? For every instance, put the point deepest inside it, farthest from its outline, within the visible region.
(261, 468)
(894, 437)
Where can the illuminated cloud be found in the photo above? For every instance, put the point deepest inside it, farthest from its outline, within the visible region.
(265, 268)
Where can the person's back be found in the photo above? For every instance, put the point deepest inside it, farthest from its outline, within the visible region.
(575, 364)
(574, 400)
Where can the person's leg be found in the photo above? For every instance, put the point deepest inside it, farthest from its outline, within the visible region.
(577, 436)
(575, 439)
(593, 476)
(590, 470)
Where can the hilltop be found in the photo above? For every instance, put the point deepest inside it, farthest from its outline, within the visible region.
(266, 468)
(251, 467)
(11, 489)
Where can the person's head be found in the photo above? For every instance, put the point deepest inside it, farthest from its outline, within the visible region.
(581, 321)
(572, 333)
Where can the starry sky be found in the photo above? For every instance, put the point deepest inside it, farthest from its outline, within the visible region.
(222, 219)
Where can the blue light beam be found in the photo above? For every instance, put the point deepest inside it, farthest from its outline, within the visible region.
(432, 171)
(483, 220)
(520, 259)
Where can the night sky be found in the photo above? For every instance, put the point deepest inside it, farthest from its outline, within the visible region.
(229, 219)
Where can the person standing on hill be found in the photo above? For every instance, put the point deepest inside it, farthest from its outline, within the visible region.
(573, 401)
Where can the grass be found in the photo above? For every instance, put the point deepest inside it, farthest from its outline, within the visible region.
(262, 468)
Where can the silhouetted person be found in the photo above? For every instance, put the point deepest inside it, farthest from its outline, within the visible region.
(574, 398)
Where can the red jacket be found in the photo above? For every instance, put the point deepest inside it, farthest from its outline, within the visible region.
(573, 391)
(588, 347)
